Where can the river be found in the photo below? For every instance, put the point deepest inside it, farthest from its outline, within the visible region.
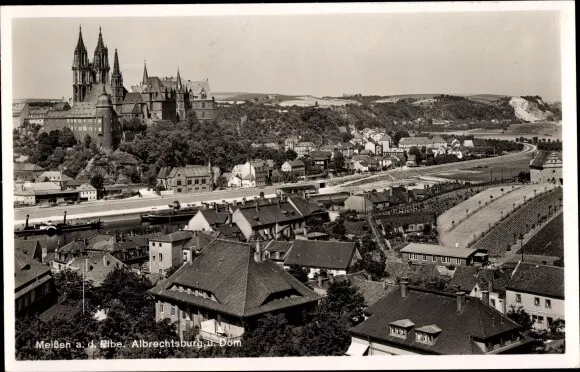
(110, 226)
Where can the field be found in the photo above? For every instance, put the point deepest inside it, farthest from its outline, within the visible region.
(494, 172)
(549, 241)
(308, 101)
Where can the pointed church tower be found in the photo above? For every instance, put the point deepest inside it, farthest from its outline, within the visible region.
(180, 99)
(104, 111)
(101, 61)
(81, 70)
(117, 85)
(145, 76)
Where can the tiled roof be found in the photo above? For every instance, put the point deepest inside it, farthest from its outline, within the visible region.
(278, 246)
(52, 176)
(269, 214)
(438, 250)
(73, 246)
(305, 207)
(538, 279)
(214, 217)
(86, 187)
(189, 171)
(27, 269)
(164, 172)
(175, 236)
(466, 277)
(241, 286)
(132, 98)
(27, 167)
(229, 231)
(28, 247)
(427, 308)
(296, 163)
(321, 254)
(96, 267)
(377, 197)
(320, 155)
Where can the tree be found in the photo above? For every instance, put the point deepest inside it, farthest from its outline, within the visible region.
(299, 273)
(338, 161)
(66, 138)
(367, 244)
(418, 155)
(98, 182)
(344, 299)
(88, 141)
(520, 316)
(69, 286)
(270, 336)
(375, 268)
(290, 155)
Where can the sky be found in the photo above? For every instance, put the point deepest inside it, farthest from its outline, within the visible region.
(510, 53)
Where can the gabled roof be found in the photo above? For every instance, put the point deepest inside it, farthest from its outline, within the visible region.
(164, 172)
(177, 236)
(189, 171)
(52, 176)
(320, 155)
(538, 279)
(305, 207)
(27, 269)
(268, 214)
(28, 247)
(96, 267)
(466, 277)
(214, 217)
(278, 246)
(321, 254)
(27, 167)
(241, 286)
(86, 187)
(296, 163)
(378, 197)
(426, 308)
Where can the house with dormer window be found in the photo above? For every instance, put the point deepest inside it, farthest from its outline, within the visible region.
(417, 321)
(229, 285)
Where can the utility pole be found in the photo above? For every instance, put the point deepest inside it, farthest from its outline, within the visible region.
(84, 268)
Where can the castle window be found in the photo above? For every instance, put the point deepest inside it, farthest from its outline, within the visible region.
(197, 181)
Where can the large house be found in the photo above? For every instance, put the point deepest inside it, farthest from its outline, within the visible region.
(419, 253)
(33, 284)
(370, 201)
(295, 166)
(486, 284)
(539, 290)
(96, 267)
(214, 220)
(190, 179)
(228, 285)
(252, 173)
(546, 167)
(304, 148)
(336, 258)
(174, 249)
(415, 321)
(275, 220)
(419, 142)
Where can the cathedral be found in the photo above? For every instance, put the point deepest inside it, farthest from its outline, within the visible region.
(101, 102)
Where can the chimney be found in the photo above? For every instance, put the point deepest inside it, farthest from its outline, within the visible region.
(257, 206)
(404, 287)
(460, 301)
(485, 297)
(27, 216)
(64, 220)
(86, 265)
(258, 252)
(243, 201)
(319, 281)
(105, 263)
(331, 278)
(197, 243)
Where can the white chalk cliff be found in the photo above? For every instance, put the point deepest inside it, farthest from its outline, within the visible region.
(529, 110)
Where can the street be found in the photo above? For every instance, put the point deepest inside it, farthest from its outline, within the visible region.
(103, 207)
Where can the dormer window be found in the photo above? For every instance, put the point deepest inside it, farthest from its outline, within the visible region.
(427, 334)
(400, 328)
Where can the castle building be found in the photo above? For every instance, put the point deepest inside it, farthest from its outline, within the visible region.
(101, 102)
